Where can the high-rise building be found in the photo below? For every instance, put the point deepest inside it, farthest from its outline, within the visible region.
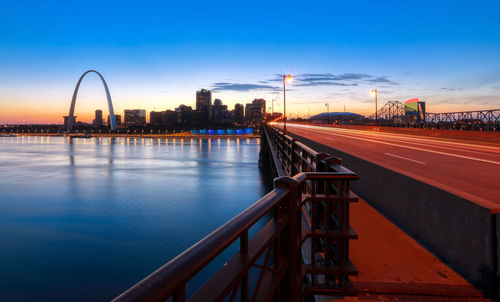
(204, 106)
(135, 117)
(255, 111)
(203, 100)
(155, 118)
(260, 103)
(98, 118)
(239, 116)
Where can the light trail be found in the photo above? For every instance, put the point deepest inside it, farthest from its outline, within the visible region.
(406, 147)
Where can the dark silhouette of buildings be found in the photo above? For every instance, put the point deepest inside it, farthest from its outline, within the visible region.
(206, 114)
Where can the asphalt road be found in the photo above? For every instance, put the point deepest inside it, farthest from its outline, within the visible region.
(468, 169)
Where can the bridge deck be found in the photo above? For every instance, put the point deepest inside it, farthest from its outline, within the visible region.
(463, 168)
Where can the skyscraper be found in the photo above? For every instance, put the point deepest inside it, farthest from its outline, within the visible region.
(98, 118)
(261, 103)
(204, 105)
(255, 111)
(203, 100)
(239, 114)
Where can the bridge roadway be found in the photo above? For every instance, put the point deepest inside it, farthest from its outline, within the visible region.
(468, 169)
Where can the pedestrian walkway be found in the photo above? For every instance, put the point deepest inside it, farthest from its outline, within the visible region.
(394, 267)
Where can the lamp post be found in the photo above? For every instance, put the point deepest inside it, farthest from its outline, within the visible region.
(374, 92)
(286, 78)
(327, 113)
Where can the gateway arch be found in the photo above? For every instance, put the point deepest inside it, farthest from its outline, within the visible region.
(71, 117)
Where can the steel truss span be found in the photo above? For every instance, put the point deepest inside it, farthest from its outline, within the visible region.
(487, 117)
(71, 116)
(393, 113)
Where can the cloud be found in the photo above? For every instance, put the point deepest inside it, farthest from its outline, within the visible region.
(330, 79)
(451, 89)
(324, 83)
(383, 80)
(306, 80)
(224, 86)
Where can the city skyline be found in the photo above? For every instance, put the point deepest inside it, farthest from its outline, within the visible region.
(153, 58)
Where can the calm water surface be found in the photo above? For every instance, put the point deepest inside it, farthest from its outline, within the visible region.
(83, 220)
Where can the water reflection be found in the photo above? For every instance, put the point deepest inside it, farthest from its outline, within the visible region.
(105, 212)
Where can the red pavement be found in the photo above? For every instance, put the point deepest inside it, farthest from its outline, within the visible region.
(394, 267)
(469, 169)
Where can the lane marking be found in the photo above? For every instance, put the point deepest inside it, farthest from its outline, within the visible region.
(416, 161)
(414, 148)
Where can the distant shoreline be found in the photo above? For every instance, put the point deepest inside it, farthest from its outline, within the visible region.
(173, 136)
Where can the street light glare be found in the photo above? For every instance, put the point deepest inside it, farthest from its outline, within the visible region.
(372, 92)
(289, 79)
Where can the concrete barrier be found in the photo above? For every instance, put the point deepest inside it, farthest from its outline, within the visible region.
(459, 232)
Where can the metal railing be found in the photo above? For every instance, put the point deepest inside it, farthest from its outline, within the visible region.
(302, 249)
(325, 207)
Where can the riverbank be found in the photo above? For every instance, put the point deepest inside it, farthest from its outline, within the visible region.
(183, 135)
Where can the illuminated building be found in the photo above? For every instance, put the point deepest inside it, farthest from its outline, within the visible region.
(135, 117)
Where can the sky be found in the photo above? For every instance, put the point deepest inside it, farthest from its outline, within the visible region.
(154, 55)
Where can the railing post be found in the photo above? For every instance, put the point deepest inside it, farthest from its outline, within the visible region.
(290, 240)
(244, 293)
(320, 166)
(293, 156)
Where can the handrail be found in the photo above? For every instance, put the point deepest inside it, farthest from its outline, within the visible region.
(165, 281)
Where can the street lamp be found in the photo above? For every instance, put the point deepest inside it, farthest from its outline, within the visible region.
(374, 92)
(286, 78)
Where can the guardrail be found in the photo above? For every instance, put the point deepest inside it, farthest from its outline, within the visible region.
(301, 250)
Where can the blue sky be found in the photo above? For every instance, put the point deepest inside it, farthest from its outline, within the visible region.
(155, 55)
